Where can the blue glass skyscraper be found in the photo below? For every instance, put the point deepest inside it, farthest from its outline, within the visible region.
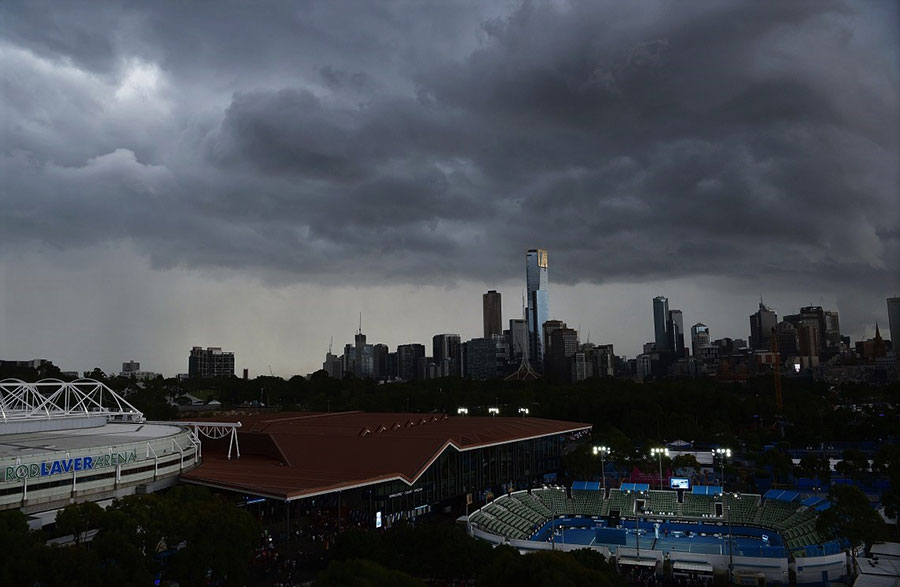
(538, 305)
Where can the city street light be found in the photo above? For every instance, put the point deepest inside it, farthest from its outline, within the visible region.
(660, 452)
(722, 454)
(602, 451)
(493, 411)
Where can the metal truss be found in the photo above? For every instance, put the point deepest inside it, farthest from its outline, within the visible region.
(50, 399)
(216, 431)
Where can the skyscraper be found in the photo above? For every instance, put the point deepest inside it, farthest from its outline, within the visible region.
(893, 305)
(761, 324)
(493, 320)
(564, 345)
(408, 356)
(548, 328)
(675, 326)
(538, 303)
(660, 323)
(518, 339)
(446, 354)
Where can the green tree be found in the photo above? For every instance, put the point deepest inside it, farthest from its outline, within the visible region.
(854, 464)
(20, 548)
(779, 462)
(78, 518)
(851, 517)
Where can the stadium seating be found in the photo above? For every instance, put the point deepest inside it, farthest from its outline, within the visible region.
(556, 501)
(661, 503)
(774, 512)
(588, 503)
(743, 508)
(531, 501)
(519, 516)
(699, 506)
(623, 501)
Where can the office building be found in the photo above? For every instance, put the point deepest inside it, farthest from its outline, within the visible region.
(492, 314)
(581, 368)
(547, 330)
(563, 346)
(788, 340)
(333, 365)
(832, 330)
(893, 307)
(480, 358)
(761, 324)
(446, 354)
(518, 339)
(602, 359)
(381, 368)
(660, 323)
(408, 356)
(210, 362)
(808, 340)
(538, 303)
(675, 327)
(699, 337)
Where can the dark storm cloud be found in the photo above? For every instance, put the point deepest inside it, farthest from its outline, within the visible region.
(351, 143)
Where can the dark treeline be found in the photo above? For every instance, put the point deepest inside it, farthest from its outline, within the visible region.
(689, 409)
(186, 535)
(441, 553)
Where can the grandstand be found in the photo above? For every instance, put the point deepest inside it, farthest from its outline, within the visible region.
(741, 508)
(522, 515)
(621, 501)
(661, 503)
(698, 506)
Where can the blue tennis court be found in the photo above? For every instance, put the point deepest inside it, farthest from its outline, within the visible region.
(664, 536)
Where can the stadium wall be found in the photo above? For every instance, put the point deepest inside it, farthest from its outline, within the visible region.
(819, 570)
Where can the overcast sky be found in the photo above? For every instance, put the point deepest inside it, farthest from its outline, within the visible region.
(253, 175)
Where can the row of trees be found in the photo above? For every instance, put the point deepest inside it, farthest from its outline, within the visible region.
(687, 409)
(186, 534)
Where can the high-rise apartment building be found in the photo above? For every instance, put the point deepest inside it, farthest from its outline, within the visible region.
(699, 337)
(210, 362)
(660, 323)
(893, 307)
(492, 315)
(538, 303)
(761, 324)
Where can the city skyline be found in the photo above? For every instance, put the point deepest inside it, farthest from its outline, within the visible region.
(254, 177)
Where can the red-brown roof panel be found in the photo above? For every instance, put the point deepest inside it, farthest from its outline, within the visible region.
(296, 454)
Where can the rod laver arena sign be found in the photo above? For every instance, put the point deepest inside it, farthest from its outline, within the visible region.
(63, 466)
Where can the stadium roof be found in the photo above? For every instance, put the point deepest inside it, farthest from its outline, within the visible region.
(291, 455)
